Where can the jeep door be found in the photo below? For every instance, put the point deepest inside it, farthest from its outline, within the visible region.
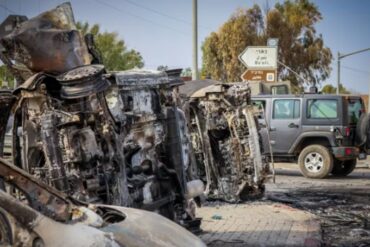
(285, 123)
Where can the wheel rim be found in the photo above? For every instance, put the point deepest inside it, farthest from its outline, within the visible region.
(314, 162)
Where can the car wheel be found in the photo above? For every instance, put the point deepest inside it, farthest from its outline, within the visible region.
(315, 161)
(343, 168)
(362, 128)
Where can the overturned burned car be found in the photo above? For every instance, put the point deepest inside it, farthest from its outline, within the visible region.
(35, 214)
(114, 138)
(225, 139)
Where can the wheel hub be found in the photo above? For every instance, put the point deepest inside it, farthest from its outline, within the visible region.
(314, 162)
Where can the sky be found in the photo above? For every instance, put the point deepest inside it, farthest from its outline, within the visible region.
(161, 29)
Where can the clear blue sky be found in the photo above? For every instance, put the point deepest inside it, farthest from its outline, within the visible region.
(161, 29)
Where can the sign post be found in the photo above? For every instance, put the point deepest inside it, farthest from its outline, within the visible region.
(259, 57)
(259, 75)
(261, 62)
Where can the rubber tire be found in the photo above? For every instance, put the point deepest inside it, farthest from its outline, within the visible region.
(327, 166)
(362, 128)
(343, 168)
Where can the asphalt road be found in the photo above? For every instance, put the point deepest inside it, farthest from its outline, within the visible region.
(341, 204)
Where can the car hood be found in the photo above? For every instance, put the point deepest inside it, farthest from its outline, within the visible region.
(144, 228)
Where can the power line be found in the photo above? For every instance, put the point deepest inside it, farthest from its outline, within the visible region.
(119, 10)
(163, 14)
(356, 70)
(6, 8)
(157, 12)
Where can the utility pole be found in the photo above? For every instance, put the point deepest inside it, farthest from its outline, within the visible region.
(339, 57)
(195, 40)
(338, 72)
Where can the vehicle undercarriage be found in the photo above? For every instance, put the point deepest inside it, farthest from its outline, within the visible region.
(115, 138)
(226, 141)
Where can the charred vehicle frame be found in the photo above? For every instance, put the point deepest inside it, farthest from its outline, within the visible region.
(35, 214)
(226, 140)
(115, 138)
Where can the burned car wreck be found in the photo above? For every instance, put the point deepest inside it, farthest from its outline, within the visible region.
(35, 214)
(225, 139)
(115, 138)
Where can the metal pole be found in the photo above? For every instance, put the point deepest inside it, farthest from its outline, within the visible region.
(338, 70)
(368, 100)
(340, 56)
(195, 40)
(353, 53)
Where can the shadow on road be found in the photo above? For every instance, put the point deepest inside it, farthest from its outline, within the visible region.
(341, 203)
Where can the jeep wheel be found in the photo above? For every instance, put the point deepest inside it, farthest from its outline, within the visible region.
(315, 161)
(343, 168)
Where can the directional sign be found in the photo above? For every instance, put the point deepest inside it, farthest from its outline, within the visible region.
(258, 75)
(259, 57)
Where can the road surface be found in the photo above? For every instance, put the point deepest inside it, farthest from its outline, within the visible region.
(295, 211)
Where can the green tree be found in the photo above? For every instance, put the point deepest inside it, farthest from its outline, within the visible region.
(186, 72)
(113, 50)
(162, 67)
(292, 22)
(330, 89)
(221, 49)
(6, 78)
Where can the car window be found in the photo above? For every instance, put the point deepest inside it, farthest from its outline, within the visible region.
(322, 108)
(286, 109)
(355, 109)
(281, 89)
(260, 104)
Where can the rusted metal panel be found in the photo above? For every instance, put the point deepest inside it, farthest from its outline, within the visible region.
(51, 36)
(50, 201)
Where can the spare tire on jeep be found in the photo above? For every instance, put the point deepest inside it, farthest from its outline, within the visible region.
(362, 131)
(315, 161)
